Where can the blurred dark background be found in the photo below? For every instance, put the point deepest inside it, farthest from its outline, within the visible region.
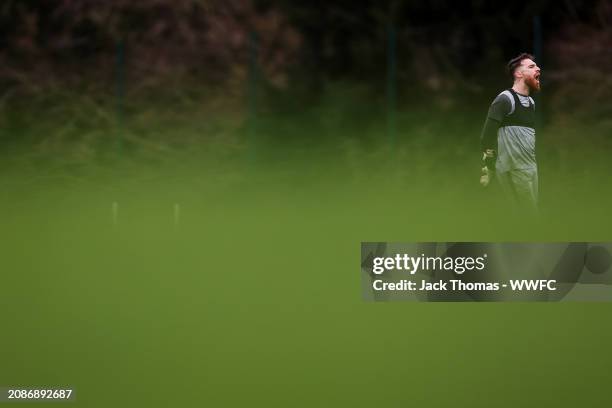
(72, 71)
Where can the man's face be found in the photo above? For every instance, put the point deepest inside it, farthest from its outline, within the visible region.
(530, 72)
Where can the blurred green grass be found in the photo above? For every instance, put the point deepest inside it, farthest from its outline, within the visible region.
(254, 298)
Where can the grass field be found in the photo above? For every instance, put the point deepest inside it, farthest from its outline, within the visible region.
(253, 297)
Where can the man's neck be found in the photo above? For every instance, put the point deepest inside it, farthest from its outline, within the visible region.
(521, 88)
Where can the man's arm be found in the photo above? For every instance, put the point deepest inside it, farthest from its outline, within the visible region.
(488, 143)
(500, 107)
(497, 111)
(488, 138)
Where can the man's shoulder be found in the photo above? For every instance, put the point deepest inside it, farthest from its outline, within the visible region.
(503, 104)
(504, 96)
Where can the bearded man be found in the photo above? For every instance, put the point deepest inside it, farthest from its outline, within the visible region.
(508, 136)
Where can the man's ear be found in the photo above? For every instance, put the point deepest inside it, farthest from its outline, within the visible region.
(518, 73)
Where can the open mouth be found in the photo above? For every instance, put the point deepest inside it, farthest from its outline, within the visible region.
(537, 77)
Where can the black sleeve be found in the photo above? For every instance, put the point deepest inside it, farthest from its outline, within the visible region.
(488, 138)
(499, 109)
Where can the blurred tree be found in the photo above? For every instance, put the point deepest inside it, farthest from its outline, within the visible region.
(65, 39)
(581, 55)
(444, 49)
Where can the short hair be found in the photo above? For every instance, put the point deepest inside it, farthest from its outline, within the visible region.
(516, 62)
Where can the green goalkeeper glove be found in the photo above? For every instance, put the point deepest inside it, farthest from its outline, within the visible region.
(488, 163)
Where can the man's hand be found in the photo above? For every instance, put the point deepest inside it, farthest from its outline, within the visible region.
(484, 177)
(488, 161)
(488, 158)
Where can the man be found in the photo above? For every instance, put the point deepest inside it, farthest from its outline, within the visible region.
(508, 136)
